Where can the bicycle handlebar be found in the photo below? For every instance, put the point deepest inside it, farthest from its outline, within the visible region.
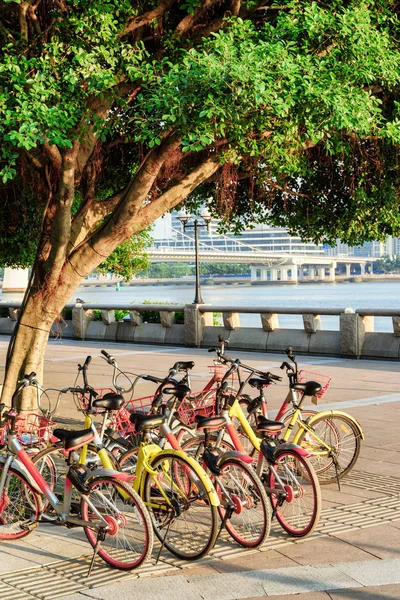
(227, 359)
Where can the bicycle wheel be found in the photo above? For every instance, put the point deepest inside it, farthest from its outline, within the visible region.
(194, 447)
(179, 505)
(344, 440)
(128, 461)
(239, 486)
(129, 539)
(297, 507)
(51, 463)
(20, 506)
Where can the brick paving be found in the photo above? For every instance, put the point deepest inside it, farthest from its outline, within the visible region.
(359, 525)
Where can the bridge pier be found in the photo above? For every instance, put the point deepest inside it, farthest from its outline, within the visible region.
(331, 276)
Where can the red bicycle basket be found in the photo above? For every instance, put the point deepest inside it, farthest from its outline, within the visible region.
(121, 422)
(201, 404)
(33, 429)
(218, 372)
(324, 380)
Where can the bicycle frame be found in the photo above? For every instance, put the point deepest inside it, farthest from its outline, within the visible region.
(306, 425)
(145, 455)
(18, 458)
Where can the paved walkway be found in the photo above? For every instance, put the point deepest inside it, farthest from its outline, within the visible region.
(355, 554)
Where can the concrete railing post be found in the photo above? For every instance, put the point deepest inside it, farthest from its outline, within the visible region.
(194, 323)
(80, 321)
(135, 317)
(231, 320)
(312, 323)
(108, 316)
(167, 318)
(353, 328)
(269, 321)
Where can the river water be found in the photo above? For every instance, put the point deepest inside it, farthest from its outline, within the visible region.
(377, 295)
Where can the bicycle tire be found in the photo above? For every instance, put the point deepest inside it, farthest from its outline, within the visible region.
(192, 533)
(245, 526)
(126, 513)
(128, 461)
(195, 446)
(19, 499)
(52, 466)
(302, 489)
(346, 450)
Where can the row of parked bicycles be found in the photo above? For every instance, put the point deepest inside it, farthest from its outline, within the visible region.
(179, 464)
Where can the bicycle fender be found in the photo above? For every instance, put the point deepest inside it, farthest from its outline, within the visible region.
(20, 468)
(338, 413)
(200, 472)
(283, 447)
(102, 472)
(235, 454)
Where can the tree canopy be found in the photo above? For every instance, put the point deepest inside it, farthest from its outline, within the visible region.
(296, 105)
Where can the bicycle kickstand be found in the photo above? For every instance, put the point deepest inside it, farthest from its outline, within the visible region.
(337, 473)
(95, 550)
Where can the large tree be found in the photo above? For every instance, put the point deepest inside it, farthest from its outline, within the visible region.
(113, 112)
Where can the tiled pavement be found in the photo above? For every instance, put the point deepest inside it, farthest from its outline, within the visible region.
(356, 547)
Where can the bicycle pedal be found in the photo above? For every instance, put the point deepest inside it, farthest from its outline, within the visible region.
(30, 527)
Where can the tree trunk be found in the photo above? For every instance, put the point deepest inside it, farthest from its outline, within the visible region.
(43, 306)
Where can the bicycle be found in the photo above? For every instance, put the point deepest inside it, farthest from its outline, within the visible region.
(113, 516)
(332, 438)
(244, 509)
(289, 478)
(174, 510)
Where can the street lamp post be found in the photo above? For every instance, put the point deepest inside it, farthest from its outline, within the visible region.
(185, 218)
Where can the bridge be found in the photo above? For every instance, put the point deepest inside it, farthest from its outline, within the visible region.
(265, 266)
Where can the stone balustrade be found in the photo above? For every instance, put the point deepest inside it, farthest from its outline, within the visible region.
(196, 326)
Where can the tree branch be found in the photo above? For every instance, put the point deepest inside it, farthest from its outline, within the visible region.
(95, 249)
(179, 192)
(285, 190)
(61, 225)
(53, 153)
(89, 215)
(189, 20)
(147, 18)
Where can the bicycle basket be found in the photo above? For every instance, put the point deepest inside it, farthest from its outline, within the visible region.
(324, 380)
(218, 372)
(33, 429)
(121, 421)
(3, 435)
(201, 404)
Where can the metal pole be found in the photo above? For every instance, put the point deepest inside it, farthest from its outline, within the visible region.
(197, 299)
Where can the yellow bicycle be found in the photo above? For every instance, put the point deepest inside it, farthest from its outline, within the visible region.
(332, 438)
(177, 491)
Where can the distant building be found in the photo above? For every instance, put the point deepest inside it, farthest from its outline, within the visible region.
(168, 232)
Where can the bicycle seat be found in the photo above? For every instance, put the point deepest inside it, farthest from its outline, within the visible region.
(259, 382)
(309, 388)
(267, 426)
(110, 401)
(74, 439)
(179, 391)
(146, 422)
(212, 423)
(183, 365)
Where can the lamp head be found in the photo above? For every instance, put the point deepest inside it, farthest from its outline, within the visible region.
(184, 217)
